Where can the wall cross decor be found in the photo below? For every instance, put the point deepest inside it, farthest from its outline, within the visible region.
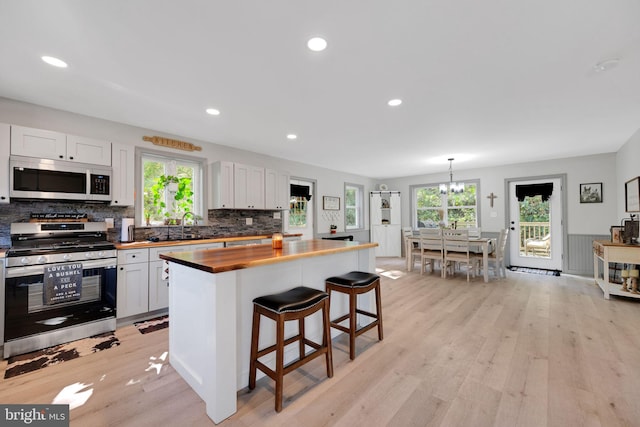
(491, 197)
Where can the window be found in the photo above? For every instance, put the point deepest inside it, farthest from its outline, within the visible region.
(431, 207)
(167, 202)
(353, 206)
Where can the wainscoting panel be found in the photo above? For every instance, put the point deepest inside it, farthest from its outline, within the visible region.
(579, 253)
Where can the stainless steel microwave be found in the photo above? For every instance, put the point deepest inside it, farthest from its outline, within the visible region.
(34, 178)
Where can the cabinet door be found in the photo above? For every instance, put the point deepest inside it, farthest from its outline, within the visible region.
(221, 195)
(378, 234)
(375, 209)
(276, 189)
(122, 180)
(248, 186)
(5, 136)
(88, 150)
(395, 216)
(158, 288)
(393, 238)
(43, 144)
(133, 289)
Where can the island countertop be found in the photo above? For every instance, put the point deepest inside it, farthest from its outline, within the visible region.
(236, 258)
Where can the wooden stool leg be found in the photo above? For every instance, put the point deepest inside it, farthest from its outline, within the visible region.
(379, 310)
(255, 333)
(352, 324)
(301, 333)
(279, 361)
(326, 337)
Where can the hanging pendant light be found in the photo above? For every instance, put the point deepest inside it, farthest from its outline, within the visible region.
(454, 187)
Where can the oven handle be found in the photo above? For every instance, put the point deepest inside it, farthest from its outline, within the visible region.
(34, 270)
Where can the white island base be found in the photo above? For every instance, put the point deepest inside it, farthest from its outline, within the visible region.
(211, 318)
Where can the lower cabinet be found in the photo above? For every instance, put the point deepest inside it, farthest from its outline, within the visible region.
(141, 288)
(388, 238)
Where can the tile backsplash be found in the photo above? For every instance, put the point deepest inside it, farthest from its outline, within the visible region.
(221, 223)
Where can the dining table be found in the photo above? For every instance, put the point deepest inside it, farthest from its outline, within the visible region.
(480, 243)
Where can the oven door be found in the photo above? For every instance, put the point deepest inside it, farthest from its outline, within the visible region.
(29, 311)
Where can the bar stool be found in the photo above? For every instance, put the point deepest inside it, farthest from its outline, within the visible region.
(354, 284)
(294, 304)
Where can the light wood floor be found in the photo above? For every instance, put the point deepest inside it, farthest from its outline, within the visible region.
(526, 351)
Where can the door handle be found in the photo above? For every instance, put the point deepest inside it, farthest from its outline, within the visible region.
(513, 228)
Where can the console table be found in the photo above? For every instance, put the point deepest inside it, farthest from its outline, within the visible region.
(605, 252)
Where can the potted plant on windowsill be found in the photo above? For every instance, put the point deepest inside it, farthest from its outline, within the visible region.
(179, 196)
(333, 228)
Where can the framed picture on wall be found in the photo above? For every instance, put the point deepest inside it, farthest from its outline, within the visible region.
(330, 203)
(632, 195)
(591, 193)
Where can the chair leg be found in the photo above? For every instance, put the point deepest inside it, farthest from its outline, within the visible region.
(379, 309)
(352, 325)
(279, 362)
(254, 349)
(326, 338)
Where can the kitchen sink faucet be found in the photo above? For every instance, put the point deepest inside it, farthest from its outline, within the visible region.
(195, 221)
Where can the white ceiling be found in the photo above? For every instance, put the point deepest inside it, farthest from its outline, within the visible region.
(487, 82)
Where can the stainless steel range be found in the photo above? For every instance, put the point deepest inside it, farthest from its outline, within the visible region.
(60, 284)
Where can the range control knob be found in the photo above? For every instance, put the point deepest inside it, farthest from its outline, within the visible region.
(66, 257)
(42, 259)
(24, 260)
(89, 255)
(101, 254)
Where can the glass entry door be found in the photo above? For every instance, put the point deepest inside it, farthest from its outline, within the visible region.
(536, 235)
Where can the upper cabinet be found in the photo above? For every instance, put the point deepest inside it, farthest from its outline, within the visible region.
(46, 144)
(276, 189)
(384, 207)
(123, 181)
(5, 132)
(248, 185)
(240, 186)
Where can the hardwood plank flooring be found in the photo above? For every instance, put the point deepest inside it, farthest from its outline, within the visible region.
(529, 350)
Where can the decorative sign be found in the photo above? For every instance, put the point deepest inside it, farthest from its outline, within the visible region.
(172, 143)
(632, 195)
(62, 283)
(330, 203)
(59, 216)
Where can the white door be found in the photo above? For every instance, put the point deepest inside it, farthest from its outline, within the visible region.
(536, 236)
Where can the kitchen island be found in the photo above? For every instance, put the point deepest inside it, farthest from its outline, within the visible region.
(211, 296)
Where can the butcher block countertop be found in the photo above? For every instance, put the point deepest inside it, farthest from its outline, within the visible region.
(235, 258)
(148, 244)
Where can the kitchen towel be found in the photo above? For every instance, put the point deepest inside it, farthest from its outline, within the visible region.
(124, 231)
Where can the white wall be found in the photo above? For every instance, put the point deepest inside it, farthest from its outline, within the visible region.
(627, 168)
(594, 218)
(329, 182)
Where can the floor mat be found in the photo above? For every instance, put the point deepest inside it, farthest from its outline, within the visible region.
(29, 362)
(535, 271)
(152, 325)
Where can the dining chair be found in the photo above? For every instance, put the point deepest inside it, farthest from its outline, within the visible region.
(412, 249)
(430, 248)
(456, 252)
(496, 258)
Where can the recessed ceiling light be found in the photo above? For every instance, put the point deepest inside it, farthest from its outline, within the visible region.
(606, 65)
(292, 136)
(394, 102)
(54, 61)
(213, 111)
(317, 44)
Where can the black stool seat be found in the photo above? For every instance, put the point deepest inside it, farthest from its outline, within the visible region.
(295, 299)
(355, 279)
(353, 284)
(295, 304)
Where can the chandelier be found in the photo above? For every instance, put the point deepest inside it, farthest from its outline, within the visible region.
(453, 187)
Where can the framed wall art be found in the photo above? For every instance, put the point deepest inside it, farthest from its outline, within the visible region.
(330, 203)
(632, 195)
(591, 192)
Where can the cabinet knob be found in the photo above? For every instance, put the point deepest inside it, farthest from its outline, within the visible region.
(71, 158)
(2, 197)
(61, 156)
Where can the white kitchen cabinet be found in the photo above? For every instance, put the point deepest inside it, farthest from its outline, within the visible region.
(88, 150)
(221, 195)
(46, 144)
(133, 282)
(276, 189)
(5, 136)
(248, 185)
(385, 222)
(122, 180)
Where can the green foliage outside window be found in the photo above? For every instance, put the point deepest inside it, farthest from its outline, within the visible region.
(350, 208)
(460, 207)
(533, 209)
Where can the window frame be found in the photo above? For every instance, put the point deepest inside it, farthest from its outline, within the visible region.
(200, 190)
(445, 206)
(359, 207)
